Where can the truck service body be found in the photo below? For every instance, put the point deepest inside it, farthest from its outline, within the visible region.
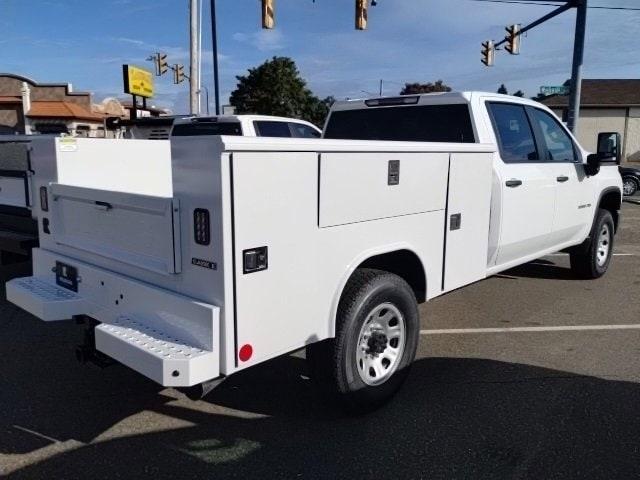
(119, 170)
(268, 245)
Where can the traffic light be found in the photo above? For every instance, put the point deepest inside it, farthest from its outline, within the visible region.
(268, 14)
(488, 52)
(178, 73)
(361, 14)
(161, 63)
(513, 39)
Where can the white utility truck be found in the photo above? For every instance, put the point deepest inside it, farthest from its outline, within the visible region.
(161, 128)
(269, 245)
(246, 126)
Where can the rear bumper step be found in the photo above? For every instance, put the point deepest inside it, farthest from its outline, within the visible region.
(45, 300)
(172, 339)
(159, 355)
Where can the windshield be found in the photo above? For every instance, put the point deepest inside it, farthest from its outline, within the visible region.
(420, 123)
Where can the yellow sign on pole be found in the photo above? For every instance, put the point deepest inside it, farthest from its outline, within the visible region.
(137, 81)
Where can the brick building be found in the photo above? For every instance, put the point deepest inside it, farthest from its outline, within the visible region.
(30, 107)
(606, 105)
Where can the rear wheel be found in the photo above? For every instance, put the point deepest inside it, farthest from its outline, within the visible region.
(377, 331)
(595, 261)
(629, 186)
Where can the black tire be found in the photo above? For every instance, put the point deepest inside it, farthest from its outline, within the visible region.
(334, 363)
(630, 186)
(592, 264)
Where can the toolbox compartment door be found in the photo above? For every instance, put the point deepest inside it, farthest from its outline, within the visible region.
(467, 219)
(137, 230)
(362, 186)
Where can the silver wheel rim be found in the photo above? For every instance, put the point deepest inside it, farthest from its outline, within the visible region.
(604, 245)
(628, 186)
(380, 344)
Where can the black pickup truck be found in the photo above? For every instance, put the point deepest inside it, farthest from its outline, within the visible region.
(630, 179)
(18, 229)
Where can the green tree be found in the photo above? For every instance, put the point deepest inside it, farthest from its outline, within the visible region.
(276, 88)
(503, 90)
(415, 88)
(519, 93)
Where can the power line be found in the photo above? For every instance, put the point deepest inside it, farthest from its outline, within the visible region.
(527, 2)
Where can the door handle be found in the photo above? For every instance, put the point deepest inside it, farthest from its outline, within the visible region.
(105, 206)
(513, 183)
(562, 178)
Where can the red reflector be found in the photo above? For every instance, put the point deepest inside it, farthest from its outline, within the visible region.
(245, 352)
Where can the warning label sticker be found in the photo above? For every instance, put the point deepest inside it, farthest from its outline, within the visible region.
(67, 144)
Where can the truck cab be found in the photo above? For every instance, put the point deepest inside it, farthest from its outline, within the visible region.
(542, 197)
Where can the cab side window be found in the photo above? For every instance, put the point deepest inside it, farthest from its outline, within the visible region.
(514, 132)
(304, 131)
(554, 138)
(268, 128)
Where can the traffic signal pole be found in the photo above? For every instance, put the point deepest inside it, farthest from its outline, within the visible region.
(576, 70)
(578, 54)
(543, 19)
(214, 39)
(194, 88)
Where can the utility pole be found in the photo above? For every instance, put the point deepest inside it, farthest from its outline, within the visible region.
(381, 86)
(576, 69)
(214, 39)
(194, 68)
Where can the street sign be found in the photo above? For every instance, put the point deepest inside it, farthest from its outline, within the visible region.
(554, 90)
(137, 81)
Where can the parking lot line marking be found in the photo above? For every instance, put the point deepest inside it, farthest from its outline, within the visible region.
(565, 328)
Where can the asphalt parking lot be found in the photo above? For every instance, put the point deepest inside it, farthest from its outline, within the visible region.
(530, 374)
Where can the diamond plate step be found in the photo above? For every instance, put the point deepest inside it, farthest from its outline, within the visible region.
(159, 355)
(45, 300)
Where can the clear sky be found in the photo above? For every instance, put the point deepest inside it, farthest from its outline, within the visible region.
(84, 42)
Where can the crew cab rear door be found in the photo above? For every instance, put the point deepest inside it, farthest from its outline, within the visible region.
(526, 185)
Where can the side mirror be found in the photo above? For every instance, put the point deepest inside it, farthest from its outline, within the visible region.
(609, 146)
(592, 167)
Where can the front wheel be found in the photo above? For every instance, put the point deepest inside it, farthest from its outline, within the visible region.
(629, 186)
(595, 262)
(377, 332)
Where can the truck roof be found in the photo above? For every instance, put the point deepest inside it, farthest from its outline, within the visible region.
(437, 98)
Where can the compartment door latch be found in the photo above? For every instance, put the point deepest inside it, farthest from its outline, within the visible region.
(393, 172)
(455, 221)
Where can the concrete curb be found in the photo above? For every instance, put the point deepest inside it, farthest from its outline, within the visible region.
(635, 201)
